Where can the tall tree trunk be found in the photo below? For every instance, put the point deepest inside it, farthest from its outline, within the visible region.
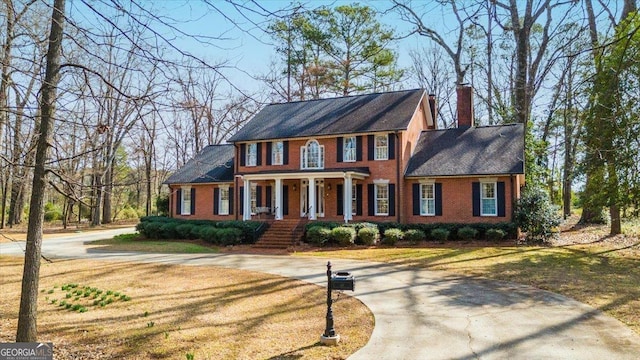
(27, 317)
(106, 196)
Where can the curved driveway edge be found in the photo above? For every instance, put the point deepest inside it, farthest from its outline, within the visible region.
(422, 314)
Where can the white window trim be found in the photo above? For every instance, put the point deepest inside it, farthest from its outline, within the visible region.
(424, 211)
(495, 198)
(185, 210)
(248, 155)
(353, 151)
(304, 158)
(381, 155)
(375, 198)
(274, 146)
(223, 188)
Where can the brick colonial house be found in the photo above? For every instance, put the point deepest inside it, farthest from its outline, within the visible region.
(377, 157)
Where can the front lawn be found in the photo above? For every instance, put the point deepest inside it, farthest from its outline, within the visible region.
(135, 242)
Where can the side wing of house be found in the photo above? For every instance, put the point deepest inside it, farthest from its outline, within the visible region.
(203, 187)
(465, 175)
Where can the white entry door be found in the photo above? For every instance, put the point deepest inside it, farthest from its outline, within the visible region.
(304, 199)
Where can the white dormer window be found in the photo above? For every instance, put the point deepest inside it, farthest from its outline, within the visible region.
(312, 155)
(382, 147)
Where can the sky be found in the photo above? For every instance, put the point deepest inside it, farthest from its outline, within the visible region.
(247, 50)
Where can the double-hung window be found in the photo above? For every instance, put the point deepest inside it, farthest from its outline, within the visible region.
(349, 149)
(488, 199)
(277, 151)
(186, 201)
(223, 205)
(252, 154)
(354, 199)
(382, 199)
(312, 155)
(427, 199)
(382, 147)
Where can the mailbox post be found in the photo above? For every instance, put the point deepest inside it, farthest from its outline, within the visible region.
(339, 281)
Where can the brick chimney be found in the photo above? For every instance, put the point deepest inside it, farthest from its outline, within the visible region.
(433, 106)
(465, 106)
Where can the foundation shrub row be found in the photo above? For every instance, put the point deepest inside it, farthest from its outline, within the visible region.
(215, 232)
(321, 233)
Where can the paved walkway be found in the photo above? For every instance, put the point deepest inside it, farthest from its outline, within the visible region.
(421, 314)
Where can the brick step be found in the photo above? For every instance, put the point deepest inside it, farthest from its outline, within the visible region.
(281, 234)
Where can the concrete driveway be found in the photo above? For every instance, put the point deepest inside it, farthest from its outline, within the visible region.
(422, 314)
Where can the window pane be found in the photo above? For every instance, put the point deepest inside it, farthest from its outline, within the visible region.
(186, 201)
(252, 150)
(381, 147)
(382, 199)
(354, 200)
(276, 153)
(349, 153)
(312, 156)
(427, 199)
(488, 207)
(224, 201)
(488, 199)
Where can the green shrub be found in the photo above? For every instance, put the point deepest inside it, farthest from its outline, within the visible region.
(152, 230)
(495, 234)
(344, 235)
(440, 234)
(168, 230)
(536, 216)
(195, 231)
(209, 234)
(392, 236)
(184, 230)
(230, 236)
(362, 225)
(52, 212)
(325, 224)
(414, 236)
(467, 233)
(128, 213)
(368, 235)
(318, 235)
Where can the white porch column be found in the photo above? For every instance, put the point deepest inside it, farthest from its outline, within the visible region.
(246, 200)
(348, 195)
(312, 198)
(278, 199)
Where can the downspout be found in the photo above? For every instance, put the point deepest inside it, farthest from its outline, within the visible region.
(398, 198)
(236, 191)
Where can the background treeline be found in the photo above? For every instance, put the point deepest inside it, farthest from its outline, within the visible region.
(132, 105)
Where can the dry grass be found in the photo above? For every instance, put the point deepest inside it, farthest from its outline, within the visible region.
(212, 313)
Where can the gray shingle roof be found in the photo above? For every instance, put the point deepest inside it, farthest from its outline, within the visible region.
(346, 115)
(489, 150)
(213, 164)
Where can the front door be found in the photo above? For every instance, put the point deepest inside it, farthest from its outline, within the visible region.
(305, 207)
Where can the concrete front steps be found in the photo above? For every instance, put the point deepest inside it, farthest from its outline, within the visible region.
(281, 234)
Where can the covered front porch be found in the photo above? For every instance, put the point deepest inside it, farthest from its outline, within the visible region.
(311, 194)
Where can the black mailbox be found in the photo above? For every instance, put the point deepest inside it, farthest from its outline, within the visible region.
(343, 280)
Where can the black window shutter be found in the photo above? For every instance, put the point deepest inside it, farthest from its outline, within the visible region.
(178, 201)
(438, 199)
(216, 201)
(243, 154)
(341, 199)
(476, 198)
(231, 209)
(267, 192)
(241, 200)
(370, 146)
(269, 152)
(258, 196)
(392, 199)
(285, 150)
(339, 144)
(416, 199)
(501, 201)
(259, 154)
(285, 200)
(392, 146)
(358, 199)
(358, 148)
(193, 201)
(370, 197)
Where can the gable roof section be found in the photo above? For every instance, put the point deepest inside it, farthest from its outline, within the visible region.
(213, 164)
(345, 115)
(488, 150)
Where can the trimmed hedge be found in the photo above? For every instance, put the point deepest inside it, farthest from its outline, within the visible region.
(345, 236)
(440, 234)
(467, 233)
(368, 235)
(216, 232)
(318, 235)
(413, 236)
(392, 236)
(495, 234)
